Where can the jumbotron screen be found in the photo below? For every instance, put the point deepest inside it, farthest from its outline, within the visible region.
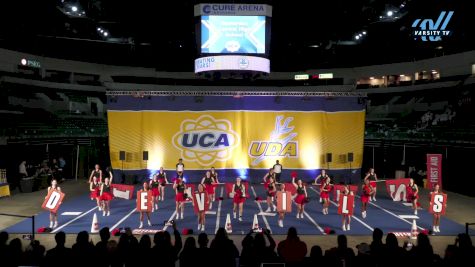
(233, 34)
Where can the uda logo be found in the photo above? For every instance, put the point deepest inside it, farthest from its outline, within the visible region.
(206, 140)
(281, 143)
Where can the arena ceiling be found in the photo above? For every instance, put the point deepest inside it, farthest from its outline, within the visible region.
(305, 34)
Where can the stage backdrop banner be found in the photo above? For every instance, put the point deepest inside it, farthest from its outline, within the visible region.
(242, 134)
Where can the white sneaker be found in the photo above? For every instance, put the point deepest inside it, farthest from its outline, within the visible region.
(156, 206)
(153, 209)
(50, 224)
(182, 216)
(203, 227)
(234, 215)
(211, 205)
(141, 225)
(268, 209)
(199, 226)
(104, 213)
(274, 207)
(363, 214)
(415, 212)
(301, 215)
(434, 229)
(320, 200)
(99, 207)
(374, 198)
(281, 224)
(240, 218)
(177, 215)
(108, 213)
(298, 215)
(149, 223)
(348, 227)
(343, 227)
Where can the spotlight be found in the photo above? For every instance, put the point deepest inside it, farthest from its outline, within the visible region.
(360, 35)
(390, 13)
(105, 33)
(74, 8)
(364, 33)
(99, 29)
(357, 37)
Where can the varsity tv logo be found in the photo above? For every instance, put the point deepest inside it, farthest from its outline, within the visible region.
(428, 31)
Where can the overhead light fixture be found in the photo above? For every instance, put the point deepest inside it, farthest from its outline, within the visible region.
(402, 75)
(357, 37)
(99, 28)
(439, 47)
(105, 33)
(314, 46)
(371, 78)
(364, 33)
(74, 8)
(390, 13)
(360, 35)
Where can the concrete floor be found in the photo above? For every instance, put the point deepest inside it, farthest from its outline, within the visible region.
(461, 209)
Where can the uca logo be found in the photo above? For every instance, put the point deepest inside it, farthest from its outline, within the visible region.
(206, 140)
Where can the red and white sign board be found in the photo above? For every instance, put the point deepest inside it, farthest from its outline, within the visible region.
(434, 170)
(345, 204)
(438, 203)
(339, 188)
(53, 200)
(123, 191)
(229, 188)
(284, 201)
(144, 201)
(200, 201)
(397, 188)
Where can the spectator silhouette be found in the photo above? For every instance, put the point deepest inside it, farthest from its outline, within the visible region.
(377, 247)
(3, 245)
(223, 250)
(189, 253)
(164, 249)
(247, 254)
(83, 250)
(101, 247)
(128, 248)
(203, 251)
(342, 255)
(316, 257)
(60, 254)
(34, 254)
(422, 254)
(394, 251)
(263, 253)
(292, 250)
(144, 248)
(15, 252)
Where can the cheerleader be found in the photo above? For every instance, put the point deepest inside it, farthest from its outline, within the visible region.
(53, 216)
(346, 219)
(413, 194)
(214, 175)
(180, 168)
(271, 189)
(180, 188)
(320, 179)
(154, 185)
(208, 183)
(162, 179)
(372, 177)
(282, 213)
(95, 189)
(202, 213)
(106, 197)
(267, 177)
(301, 197)
(366, 192)
(97, 172)
(436, 221)
(146, 188)
(239, 196)
(325, 190)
